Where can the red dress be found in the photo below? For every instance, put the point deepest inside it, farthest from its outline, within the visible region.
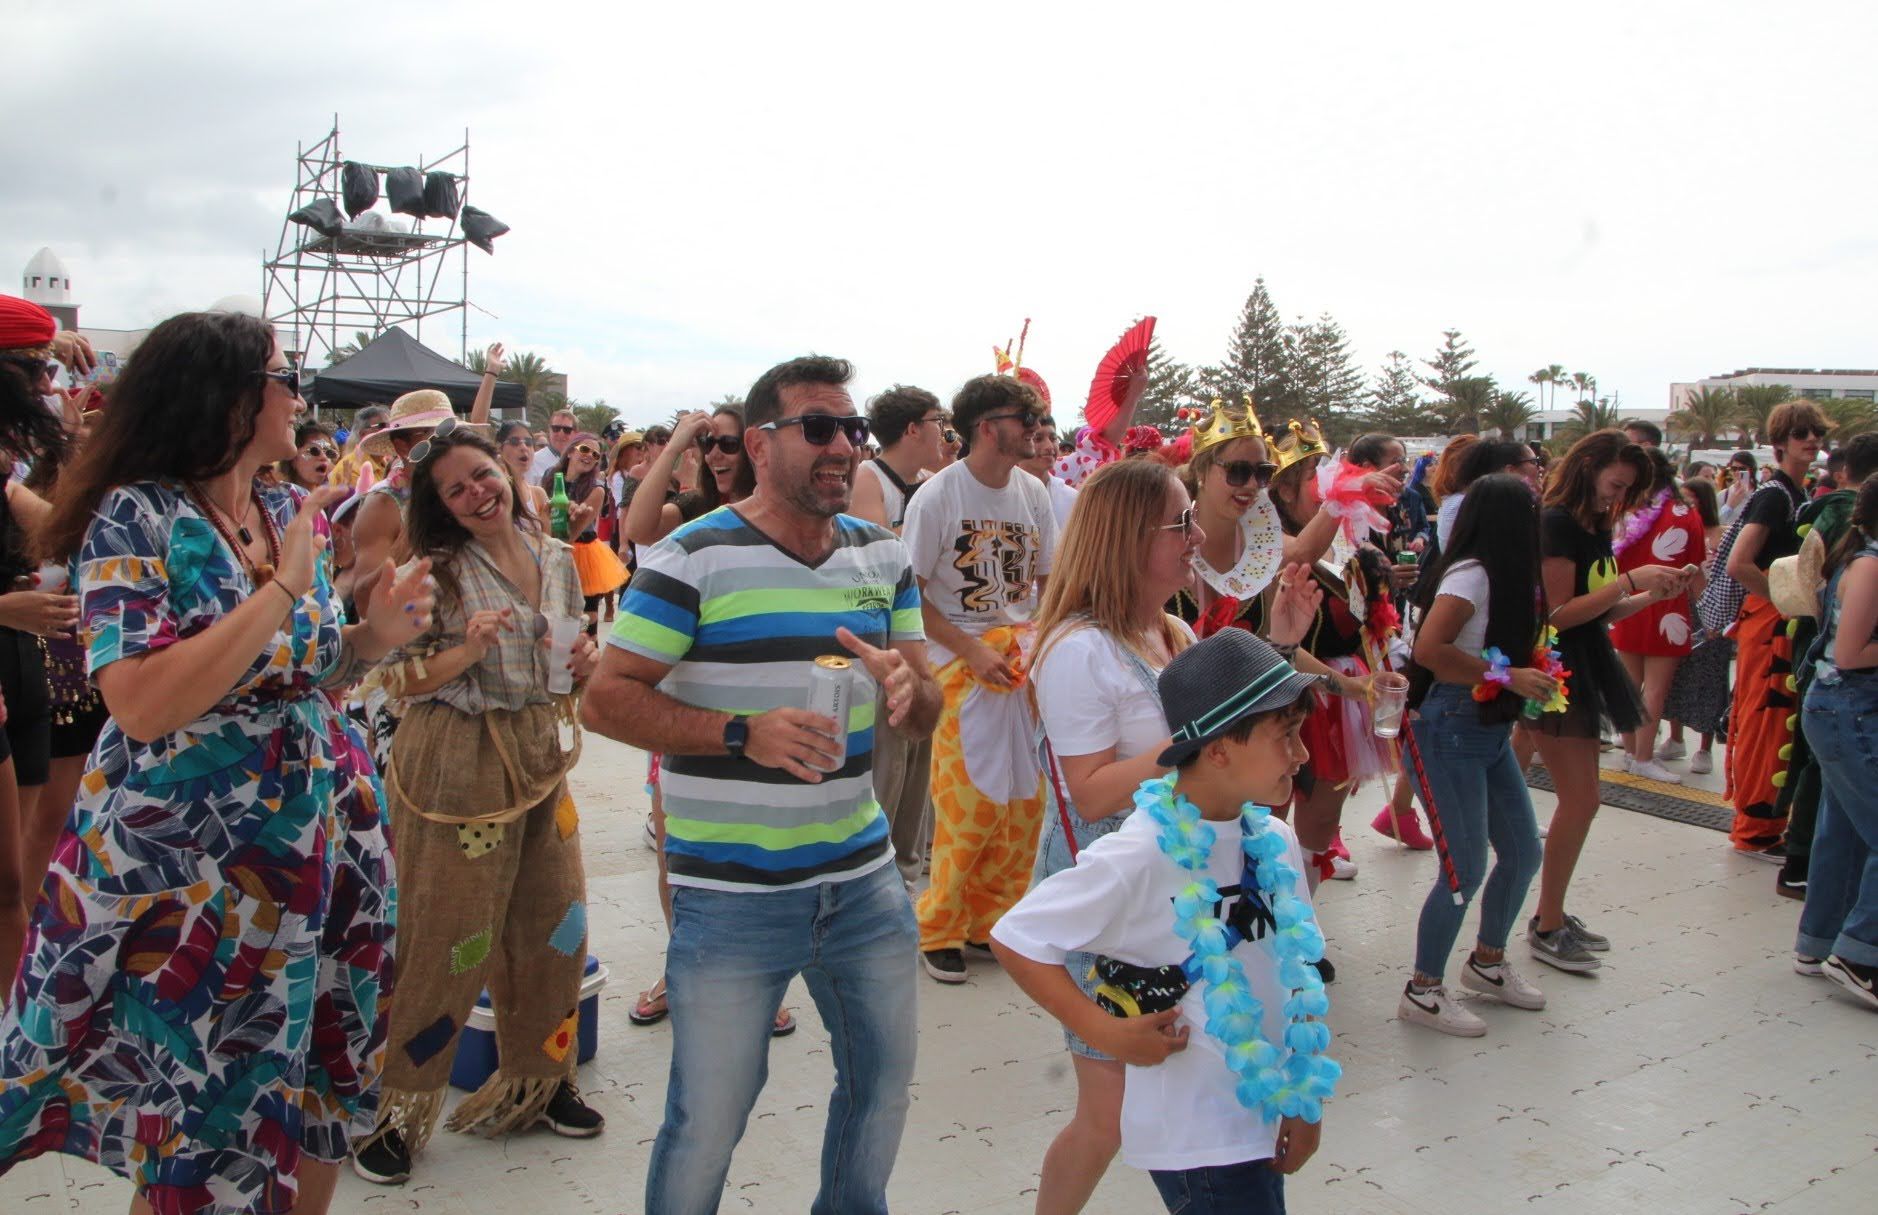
(1662, 629)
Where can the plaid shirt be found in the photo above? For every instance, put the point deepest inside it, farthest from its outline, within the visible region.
(515, 670)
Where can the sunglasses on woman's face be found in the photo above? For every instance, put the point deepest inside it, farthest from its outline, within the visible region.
(422, 451)
(518, 441)
(1241, 472)
(319, 451)
(819, 428)
(1183, 525)
(288, 378)
(586, 449)
(730, 445)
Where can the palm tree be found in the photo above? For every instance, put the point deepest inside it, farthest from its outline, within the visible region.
(1588, 416)
(1468, 398)
(532, 372)
(1555, 375)
(1849, 418)
(360, 340)
(1707, 414)
(593, 418)
(1583, 383)
(1509, 413)
(1541, 377)
(1754, 402)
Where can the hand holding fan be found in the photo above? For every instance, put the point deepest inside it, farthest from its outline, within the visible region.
(1121, 377)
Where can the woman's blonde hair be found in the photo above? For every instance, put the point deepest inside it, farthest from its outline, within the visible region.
(1102, 558)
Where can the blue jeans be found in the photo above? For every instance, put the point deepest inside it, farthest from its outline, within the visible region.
(1481, 799)
(731, 958)
(1251, 1188)
(1841, 914)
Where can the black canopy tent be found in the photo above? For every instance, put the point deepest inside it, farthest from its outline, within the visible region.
(394, 363)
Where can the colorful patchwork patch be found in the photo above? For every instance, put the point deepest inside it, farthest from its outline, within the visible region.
(466, 955)
(566, 818)
(571, 931)
(479, 839)
(562, 1039)
(426, 1042)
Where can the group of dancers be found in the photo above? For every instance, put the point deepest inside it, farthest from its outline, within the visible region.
(1116, 687)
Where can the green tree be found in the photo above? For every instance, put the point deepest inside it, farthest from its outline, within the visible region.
(1509, 413)
(1585, 384)
(360, 340)
(1588, 416)
(593, 418)
(1326, 385)
(1171, 384)
(1466, 401)
(1255, 359)
(1395, 403)
(1454, 358)
(532, 372)
(1754, 402)
(1850, 418)
(1707, 414)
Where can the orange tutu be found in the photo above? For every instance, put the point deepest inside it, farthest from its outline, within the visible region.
(601, 572)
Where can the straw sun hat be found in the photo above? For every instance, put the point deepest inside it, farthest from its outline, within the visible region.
(424, 409)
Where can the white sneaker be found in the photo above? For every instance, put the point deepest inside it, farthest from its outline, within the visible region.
(1341, 870)
(1438, 1011)
(1503, 983)
(1701, 763)
(1649, 769)
(1808, 965)
(1614, 761)
(1671, 750)
(651, 837)
(1545, 829)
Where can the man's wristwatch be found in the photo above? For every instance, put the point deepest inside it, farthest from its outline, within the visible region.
(736, 736)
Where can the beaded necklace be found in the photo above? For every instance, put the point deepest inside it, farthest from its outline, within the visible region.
(260, 574)
(1288, 1080)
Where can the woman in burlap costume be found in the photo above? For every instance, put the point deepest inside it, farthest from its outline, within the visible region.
(493, 893)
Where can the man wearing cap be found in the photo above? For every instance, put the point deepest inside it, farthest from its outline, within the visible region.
(561, 428)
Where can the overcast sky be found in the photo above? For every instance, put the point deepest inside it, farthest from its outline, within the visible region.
(1648, 192)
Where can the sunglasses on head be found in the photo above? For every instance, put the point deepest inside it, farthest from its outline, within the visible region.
(1241, 472)
(819, 428)
(424, 449)
(1183, 525)
(288, 379)
(730, 445)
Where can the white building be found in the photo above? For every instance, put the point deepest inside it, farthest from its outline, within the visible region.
(47, 282)
(1821, 384)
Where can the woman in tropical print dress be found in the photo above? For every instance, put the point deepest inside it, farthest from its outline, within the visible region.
(201, 1004)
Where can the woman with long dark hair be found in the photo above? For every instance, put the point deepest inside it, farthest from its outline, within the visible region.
(725, 477)
(494, 892)
(1483, 598)
(1601, 477)
(1664, 530)
(601, 572)
(200, 1006)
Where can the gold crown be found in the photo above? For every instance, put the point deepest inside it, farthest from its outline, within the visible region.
(1221, 425)
(1300, 442)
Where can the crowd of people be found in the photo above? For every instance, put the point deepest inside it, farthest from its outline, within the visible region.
(290, 711)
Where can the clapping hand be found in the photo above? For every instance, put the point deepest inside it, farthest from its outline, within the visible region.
(400, 607)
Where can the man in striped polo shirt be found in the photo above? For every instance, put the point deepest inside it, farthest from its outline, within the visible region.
(777, 849)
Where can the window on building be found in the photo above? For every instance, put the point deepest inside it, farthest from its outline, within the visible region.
(1858, 394)
(1818, 394)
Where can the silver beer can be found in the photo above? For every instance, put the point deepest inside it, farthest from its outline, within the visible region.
(831, 693)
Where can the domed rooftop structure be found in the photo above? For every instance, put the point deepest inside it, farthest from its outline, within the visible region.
(46, 281)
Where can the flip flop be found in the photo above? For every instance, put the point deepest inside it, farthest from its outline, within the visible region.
(784, 1025)
(649, 1010)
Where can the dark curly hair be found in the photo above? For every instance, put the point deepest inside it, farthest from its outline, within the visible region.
(987, 394)
(185, 407)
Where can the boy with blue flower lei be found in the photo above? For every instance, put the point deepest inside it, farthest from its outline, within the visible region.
(1205, 935)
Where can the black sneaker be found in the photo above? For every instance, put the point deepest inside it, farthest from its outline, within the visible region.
(1325, 971)
(945, 965)
(1855, 978)
(384, 1161)
(1773, 854)
(980, 949)
(1791, 882)
(569, 1116)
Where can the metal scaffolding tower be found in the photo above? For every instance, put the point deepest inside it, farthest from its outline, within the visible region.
(321, 290)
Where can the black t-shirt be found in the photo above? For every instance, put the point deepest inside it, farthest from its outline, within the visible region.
(1593, 566)
(1775, 511)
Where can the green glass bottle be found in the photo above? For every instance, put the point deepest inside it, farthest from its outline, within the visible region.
(559, 516)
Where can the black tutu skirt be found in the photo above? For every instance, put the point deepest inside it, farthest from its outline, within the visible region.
(1601, 693)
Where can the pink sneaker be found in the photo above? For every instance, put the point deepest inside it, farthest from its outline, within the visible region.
(1405, 829)
(1338, 847)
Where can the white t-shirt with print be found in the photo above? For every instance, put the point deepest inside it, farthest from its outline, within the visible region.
(1118, 900)
(1062, 500)
(980, 550)
(1468, 580)
(1090, 697)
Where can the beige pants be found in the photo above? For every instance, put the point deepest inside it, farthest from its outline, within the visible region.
(902, 786)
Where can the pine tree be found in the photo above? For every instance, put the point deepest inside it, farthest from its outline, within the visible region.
(1256, 359)
(1326, 385)
(1170, 385)
(1451, 363)
(1395, 403)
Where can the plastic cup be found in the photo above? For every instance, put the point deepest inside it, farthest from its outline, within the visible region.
(562, 633)
(54, 578)
(1390, 699)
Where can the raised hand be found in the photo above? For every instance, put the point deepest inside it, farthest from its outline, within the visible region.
(300, 545)
(1295, 605)
(399, 610)
(495, 359)
(890, 670)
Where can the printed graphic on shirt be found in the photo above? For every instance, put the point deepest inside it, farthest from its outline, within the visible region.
(998, 561)
(1127, 990)
(1603, 572)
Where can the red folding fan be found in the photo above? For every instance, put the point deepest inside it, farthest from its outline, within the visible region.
(1120, 370)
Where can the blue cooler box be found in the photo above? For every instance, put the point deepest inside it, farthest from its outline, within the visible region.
(476, 1049)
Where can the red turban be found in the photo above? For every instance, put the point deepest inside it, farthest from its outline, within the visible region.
(24, 326)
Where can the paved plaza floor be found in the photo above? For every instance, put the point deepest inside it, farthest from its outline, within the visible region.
(1695, 1073)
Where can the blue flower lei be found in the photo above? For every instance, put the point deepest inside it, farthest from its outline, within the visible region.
(1291, 1081)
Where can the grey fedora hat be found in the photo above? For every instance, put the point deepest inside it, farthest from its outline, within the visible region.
(1215, 684)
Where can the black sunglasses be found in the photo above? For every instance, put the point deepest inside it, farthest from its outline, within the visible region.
(1239, 472)
(730, 445)
(424, 449)
(1026, 419)
(288, 379)
(948, 435)
(1803, 433)
(819, 428)
(560, 430)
